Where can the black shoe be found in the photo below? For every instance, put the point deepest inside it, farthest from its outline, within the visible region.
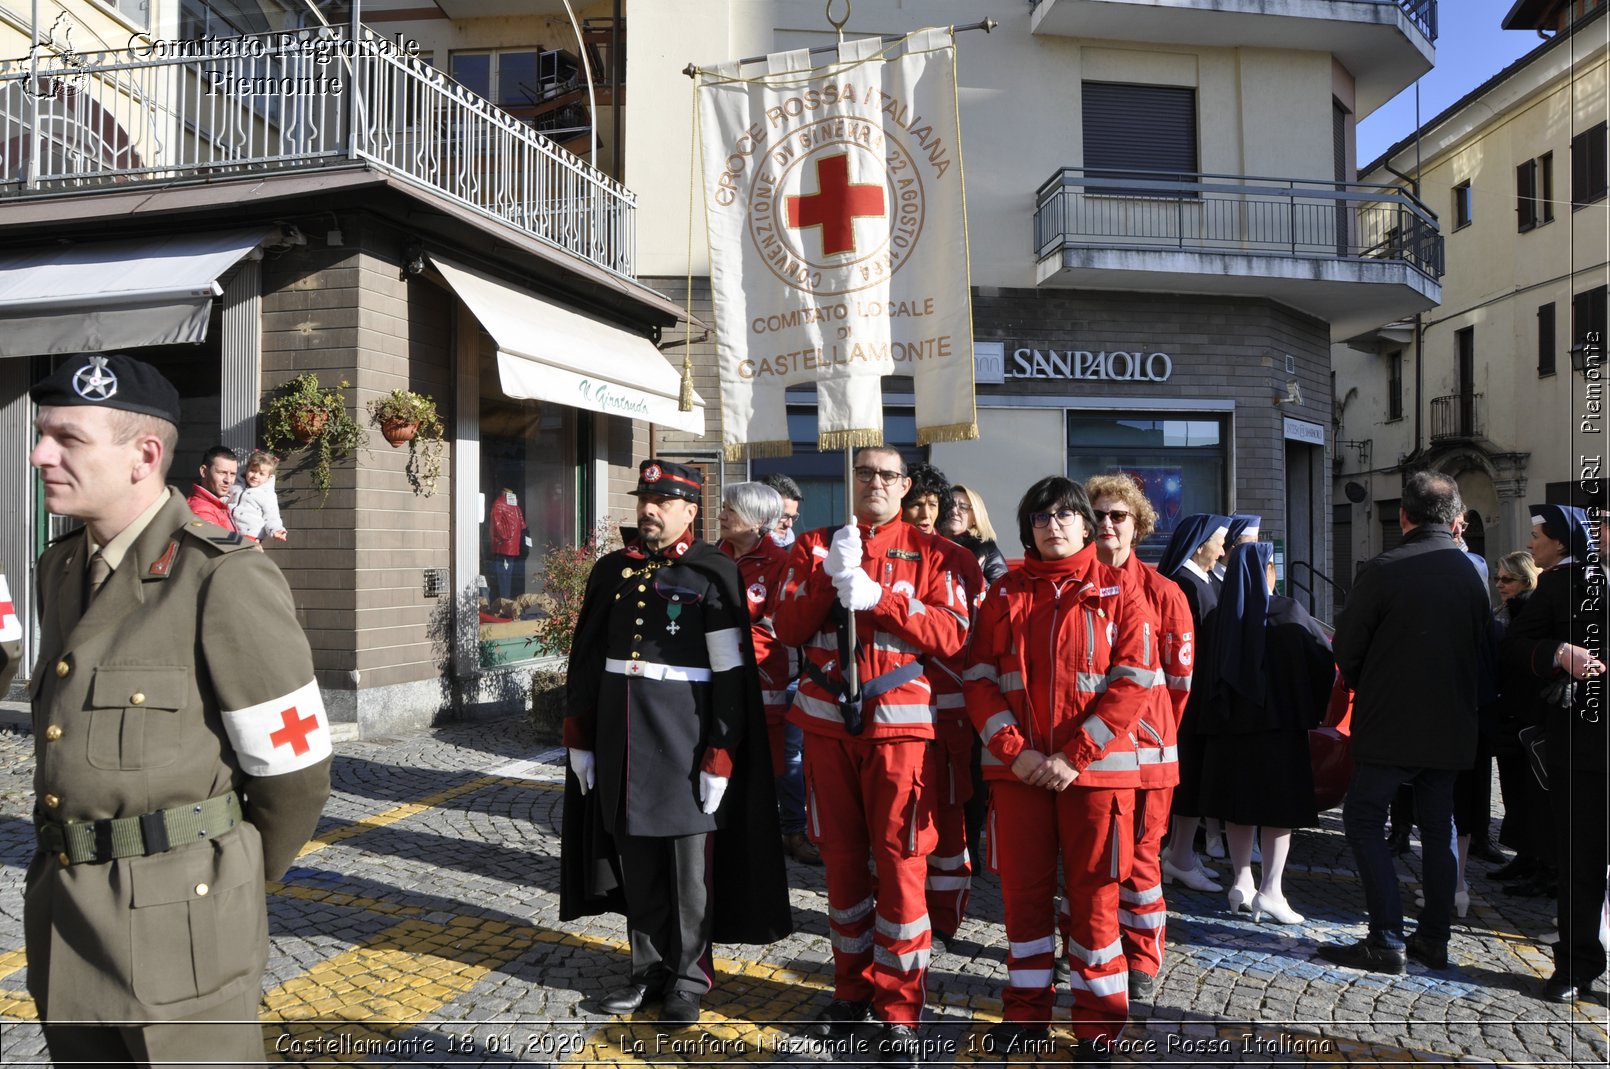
(1485, 850)
(681, 1009)
(840, 1018)
(1398, 843)
(1015, 1037)
(1093, 1052)
(628, 999)
(898, 1045)
(1520, 867)
(1538, 885)
(1142, 986)
(1431, 955)
(1559, 988)
(1371, 957)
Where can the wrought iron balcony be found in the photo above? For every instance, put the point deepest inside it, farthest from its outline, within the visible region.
(1213, 213)
(1456, 417)
(170, 111)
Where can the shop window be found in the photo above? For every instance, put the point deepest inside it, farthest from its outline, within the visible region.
(1180, 463)
(1546, 341)
(1463, 208)
(1588, 164)
(1139, 132)
(533, 494)
(821, 475)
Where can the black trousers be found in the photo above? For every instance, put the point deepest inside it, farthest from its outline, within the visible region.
(1580, 827)
(669, 910)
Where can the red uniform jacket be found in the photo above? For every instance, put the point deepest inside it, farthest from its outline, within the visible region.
(1064, 660)
(761, 570)
(1157, 730)
(945, 673)
(923, 612)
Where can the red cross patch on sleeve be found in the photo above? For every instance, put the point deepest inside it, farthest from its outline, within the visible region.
(281, 735)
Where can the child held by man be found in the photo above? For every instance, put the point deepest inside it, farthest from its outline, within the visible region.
(252, 501)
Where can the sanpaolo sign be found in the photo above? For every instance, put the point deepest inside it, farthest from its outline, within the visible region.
(1114, 365)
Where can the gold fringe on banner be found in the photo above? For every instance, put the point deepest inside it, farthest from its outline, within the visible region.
(950, 432)
(758, 450)
(851, 439)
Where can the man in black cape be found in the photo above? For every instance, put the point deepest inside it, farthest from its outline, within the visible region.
(670, 813)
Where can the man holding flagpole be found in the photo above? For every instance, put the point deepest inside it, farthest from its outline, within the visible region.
(867, 759)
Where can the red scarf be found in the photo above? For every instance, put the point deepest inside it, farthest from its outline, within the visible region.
(1055, 571)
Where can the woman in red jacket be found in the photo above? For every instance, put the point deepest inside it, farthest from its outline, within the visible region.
(1063, 660)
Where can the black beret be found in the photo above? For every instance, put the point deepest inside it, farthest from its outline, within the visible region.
(109, 380)
(661, 478)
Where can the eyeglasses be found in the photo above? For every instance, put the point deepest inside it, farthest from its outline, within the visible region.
(1118, 516)
(785, 521)
(1506, 579)
(866, 475)
(1043, 520)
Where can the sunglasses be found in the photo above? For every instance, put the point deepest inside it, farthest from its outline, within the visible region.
(1506, 579)
(1118, 516)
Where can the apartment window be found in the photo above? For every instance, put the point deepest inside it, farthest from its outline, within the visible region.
(508, 79)
(1588, 317)
(1463, 210)
(1394, 386)
(1137, 131)
(1546, 342)
(1534, 192)
(1588, 164)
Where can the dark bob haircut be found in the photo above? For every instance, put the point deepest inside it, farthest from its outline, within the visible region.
(1052, 494)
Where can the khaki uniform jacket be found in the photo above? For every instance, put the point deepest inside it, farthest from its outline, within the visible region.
(165, 694)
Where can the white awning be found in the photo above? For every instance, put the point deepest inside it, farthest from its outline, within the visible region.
(102, 296)
(549, 353)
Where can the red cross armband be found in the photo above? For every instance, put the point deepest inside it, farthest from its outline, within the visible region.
(280, 735)
(10, 624)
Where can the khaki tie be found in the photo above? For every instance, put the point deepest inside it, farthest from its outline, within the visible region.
(98, 572)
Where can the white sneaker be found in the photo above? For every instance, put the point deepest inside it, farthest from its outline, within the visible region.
(1195, 878)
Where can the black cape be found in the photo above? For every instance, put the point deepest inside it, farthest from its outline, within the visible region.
(749, 883)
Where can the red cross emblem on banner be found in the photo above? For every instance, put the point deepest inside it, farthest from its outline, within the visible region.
(836, 205)
(295, 731)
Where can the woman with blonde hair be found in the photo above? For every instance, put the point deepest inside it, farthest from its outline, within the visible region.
(969, 526)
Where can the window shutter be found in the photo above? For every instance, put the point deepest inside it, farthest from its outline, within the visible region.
(1526, 195)
(1140, 128)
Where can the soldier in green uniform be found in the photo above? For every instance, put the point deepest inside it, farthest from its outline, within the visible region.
(182, 748)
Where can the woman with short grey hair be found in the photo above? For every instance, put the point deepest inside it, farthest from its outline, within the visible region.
(755, 506)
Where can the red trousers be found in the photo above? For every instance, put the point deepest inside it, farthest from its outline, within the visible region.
(872, 799)
(1142, 913)
(1092, 830)
(950, 868)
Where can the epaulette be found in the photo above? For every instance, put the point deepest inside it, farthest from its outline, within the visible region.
(220, 539)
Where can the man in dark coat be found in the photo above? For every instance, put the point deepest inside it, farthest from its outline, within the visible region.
(1559, 638)
(665, 722)
(1407, 644)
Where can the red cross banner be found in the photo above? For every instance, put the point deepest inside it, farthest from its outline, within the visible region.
(838, 240)
(281, 735)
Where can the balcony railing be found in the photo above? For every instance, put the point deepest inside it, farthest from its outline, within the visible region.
(1213, 213)
(1456, 416)
(275, 102)
(1423, 13)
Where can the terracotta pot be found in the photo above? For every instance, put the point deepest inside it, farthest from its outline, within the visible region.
(398, 431)
(308, 424)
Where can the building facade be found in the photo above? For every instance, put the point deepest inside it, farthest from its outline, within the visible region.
(1165, 236)
(1484, 388)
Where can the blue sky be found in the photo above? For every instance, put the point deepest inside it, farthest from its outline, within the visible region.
(1471, 48)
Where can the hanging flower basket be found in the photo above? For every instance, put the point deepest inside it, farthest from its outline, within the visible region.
(306, 416)
(405, 416)
(308, 424)
(398, 431)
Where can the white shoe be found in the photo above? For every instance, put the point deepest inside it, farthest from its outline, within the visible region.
(1215, 848)
(1196, 879)
(1278, 910)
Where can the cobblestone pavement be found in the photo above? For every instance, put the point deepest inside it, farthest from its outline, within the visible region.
(421, 927)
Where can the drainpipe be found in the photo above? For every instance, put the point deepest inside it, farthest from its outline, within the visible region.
(30, 177)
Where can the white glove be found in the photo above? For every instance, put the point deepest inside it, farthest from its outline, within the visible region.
(581, 763)
(858, 591)
(711, 788)
(845, 554)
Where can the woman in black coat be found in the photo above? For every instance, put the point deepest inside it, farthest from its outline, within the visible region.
(1272, 682)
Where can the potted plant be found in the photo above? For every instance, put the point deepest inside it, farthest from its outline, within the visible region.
(405, 416)
(563, 574)
(305, 415)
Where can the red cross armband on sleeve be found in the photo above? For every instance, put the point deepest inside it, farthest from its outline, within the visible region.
(281, 735)
(10, 625)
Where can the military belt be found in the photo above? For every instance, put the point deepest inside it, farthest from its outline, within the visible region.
(83, 842)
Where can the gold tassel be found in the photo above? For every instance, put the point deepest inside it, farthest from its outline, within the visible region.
(736, 451)
(950, 432)
(851, 439)
(685, 399)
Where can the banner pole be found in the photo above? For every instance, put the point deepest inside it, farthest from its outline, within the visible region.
(692, 69)
(851, 673)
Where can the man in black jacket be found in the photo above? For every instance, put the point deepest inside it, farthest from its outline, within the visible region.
(1407, 644)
